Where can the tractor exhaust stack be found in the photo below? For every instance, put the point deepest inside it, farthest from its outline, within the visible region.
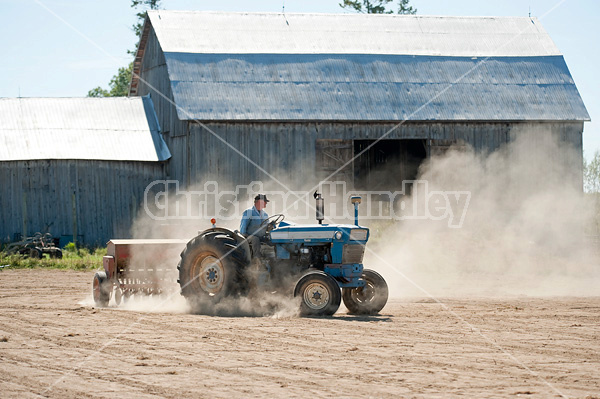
(356, 201)
(320, 207)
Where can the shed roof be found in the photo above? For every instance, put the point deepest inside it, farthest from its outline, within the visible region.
(261, 66)
(113, 128)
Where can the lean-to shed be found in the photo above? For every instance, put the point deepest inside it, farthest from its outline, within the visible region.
(76, 166)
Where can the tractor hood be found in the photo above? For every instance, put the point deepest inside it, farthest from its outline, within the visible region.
(318, 233)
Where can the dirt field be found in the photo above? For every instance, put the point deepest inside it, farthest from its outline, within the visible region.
(54, 344)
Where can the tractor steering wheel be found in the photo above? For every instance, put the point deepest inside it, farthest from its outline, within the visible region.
(272, 221)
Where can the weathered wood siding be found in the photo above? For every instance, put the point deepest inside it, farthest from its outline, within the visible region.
(154, 80)
(238, 153)
(98, 199)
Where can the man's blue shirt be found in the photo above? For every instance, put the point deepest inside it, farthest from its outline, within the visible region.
(251, 220)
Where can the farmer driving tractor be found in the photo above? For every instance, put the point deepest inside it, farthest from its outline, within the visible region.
(320, 264)
(252, 225)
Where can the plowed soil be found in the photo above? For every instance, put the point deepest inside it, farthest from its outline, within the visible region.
(55, 343)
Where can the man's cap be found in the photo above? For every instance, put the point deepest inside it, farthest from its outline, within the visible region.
(261, 197)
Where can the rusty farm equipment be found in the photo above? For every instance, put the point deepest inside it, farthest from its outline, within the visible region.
(137, 267)
(36, 247)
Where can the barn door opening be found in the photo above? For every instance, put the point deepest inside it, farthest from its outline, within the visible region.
(385, 165)
(335, 156)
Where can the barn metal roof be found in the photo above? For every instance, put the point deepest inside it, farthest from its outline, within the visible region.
(115, 129)
(369, 87)
(254, 66)
(269, 33)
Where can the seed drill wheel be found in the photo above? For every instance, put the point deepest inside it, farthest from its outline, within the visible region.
(319, 294)
(100, 289)
(118, 295)
(57, 253)
(35, 253)
(367, 300)
(212, 267)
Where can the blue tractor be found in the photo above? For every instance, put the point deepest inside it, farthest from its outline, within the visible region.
(320, 264)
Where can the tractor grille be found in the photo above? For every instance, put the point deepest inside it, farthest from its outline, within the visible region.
(353, 254)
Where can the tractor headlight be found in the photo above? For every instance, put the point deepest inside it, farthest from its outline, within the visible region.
(358, 235)
(338, 235)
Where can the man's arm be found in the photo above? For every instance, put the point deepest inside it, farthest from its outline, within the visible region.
(244, 222)
(264, 216)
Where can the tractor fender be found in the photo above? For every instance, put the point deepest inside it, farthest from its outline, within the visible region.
(241, 240)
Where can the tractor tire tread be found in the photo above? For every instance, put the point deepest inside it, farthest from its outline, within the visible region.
(220, 244)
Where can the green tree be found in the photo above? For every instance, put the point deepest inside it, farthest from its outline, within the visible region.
(142, 6)
(591, 186)
(98, 92)
(119, 84)
(378, 6)
(591, 174)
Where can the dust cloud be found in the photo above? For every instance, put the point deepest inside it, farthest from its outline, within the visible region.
(178, 215)
(523, 232)
(258, 304)
(171, 303)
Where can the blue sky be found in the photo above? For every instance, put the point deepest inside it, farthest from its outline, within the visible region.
(63, 48)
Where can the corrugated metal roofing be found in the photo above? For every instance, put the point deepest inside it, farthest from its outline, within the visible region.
(254, 66)
(244, 33)
(116, 128)
(372, 87)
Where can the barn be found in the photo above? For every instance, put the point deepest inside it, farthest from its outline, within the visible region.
(297, 98)
(250, 96)
(76, 167)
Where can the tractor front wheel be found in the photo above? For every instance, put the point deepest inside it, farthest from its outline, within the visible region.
(367, 300)
(319, 294)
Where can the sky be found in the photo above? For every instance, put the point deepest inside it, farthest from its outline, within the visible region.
(63, 48)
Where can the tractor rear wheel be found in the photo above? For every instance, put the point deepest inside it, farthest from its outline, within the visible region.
(319, 294)
(100, 289)
(367, 300)
(212, 267)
